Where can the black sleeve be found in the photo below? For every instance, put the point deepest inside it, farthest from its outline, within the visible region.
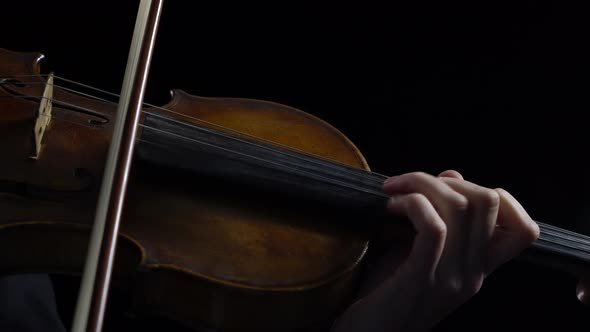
(27, 304)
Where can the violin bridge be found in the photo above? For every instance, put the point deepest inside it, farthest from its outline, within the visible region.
(43, 115)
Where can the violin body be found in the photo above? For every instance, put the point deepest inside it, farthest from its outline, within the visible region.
(200, 250)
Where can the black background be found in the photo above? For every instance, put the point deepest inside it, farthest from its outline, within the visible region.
(496, 90)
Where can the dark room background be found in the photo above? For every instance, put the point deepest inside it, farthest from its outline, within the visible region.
(495, 90)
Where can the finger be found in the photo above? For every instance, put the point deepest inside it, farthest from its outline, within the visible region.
(483, 212)
(515, 232)
(406, 289)
(445, 200)
(451, 174)
(430, 236)
(451, 207)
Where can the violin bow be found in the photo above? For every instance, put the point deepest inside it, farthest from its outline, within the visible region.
(92, 298)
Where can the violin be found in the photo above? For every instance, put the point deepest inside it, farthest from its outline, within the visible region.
(209, 236)
(226, 252)
(194, 245)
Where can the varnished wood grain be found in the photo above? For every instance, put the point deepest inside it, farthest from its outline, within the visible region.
(205, 252)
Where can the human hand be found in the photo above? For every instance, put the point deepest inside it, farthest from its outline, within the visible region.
(463, 233)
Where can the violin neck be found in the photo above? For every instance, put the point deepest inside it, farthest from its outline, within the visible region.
(173, 143)
(560, 249)
(218, 154)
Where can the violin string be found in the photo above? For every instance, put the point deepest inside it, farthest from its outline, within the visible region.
(574, 243)
(309, 174)
(576, 238)
(566, 236)
(263, 140)
(325, 179)
(327, 162)
(179, 114)
(365, 175)
(349, 168)
(86, 111)
(61, 119)
(191, 118)
(228, 150)
(78, 92)
(285, 167)
(577, 243)
(550, 233)
(71, 90)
